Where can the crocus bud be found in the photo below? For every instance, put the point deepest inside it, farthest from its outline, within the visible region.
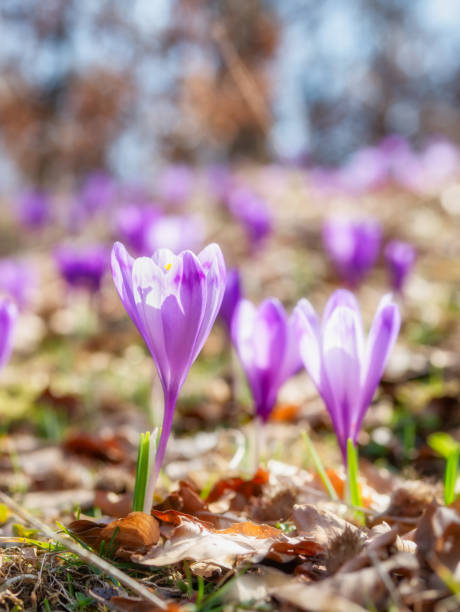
(400, 259)
(173, 300)
(345, 368)
(252, 212)
(267, 344)
(353, 246)
(34, 209)
(82, 267)
(232, 297)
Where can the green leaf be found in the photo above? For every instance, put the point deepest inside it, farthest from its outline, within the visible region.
(443, 444)
(450, 478)
(352, 478)
(319, 467)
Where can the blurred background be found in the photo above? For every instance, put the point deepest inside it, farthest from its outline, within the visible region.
(103, 85)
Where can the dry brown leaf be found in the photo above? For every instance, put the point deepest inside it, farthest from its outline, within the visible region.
(135, 532)
(243, 488)
(130, 604)
(438, 537)
(113, 504)
(192, 541)
(349, 591)
(109, 448)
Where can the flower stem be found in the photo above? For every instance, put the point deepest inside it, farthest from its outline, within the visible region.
(169, 404)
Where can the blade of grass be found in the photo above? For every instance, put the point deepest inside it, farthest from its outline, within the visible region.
(450, 478)
(354, 493)
(319, 467)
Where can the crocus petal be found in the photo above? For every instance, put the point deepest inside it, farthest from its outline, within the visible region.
(341, 297)
(260, 337)
(149, 295)
(381, 339)
(342, 352)
(122, 270)
(182, 318)
(213, 265)
(308, 328)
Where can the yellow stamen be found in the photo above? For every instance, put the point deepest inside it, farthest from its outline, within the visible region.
(168, 266)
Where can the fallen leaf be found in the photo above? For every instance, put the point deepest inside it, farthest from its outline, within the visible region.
(244, 488)
(131, 604)
(105, 448)
(438, 537)
(349, 591)
(186, 499)
(113, 504)
(192, 541)
(135, 532)
(283, 413)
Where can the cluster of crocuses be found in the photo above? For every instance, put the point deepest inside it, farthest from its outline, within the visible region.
(174, 300)
(354, 245)
(393, 161)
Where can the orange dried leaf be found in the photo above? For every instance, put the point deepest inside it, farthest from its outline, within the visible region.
(246, 488)
(137, 530)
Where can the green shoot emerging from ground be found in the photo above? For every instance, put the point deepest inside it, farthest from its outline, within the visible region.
(448, 448)
(143, 488)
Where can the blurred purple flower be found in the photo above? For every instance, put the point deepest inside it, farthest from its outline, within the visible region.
(8, 316)
(232, 296)
(365, 170)
(353, 246)
(174, 232)
(131, 225)
(400, 259)
(82, 267)
(252, 212)
(173, 300)
(268, 348)
(34, 209)
(175, 184)
(345, 368)
(16, 280)
(97, 192)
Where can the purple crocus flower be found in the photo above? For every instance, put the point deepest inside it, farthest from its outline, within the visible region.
(232, 296)
(173, 300)
(175, 184)
(16, 280)
(400, 259)
(8, 316)
(353, 246)
(82, 267)
(267, 345)
(252, 212)
(344, 367)
(34, 209)
(132, 223)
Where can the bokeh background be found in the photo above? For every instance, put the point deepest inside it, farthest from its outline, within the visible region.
(125, 87)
